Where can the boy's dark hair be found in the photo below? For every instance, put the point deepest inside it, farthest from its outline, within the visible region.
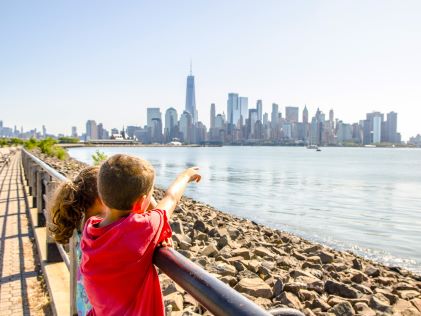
(123, 179)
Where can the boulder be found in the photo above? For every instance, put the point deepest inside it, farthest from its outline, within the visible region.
(417, 303)
(408, 294)
(210, 251)
(363, 309)
(264, 302)
(241, 252)
(263, 252)
(356, 264)
(340, 289)
(225, 269)
(290, 300)
(175, 300)
(372, 271)
(177, 227)
(343, 309)
(200, 226)
(380, 303)
(278, 287)
(404, 308)
(359, 277)
(326, 257)
(255, 287)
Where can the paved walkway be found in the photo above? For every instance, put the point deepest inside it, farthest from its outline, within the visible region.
(21, 286)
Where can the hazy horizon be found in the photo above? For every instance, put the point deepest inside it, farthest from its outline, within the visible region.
(64, 63)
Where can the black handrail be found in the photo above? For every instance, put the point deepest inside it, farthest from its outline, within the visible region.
(213, 294)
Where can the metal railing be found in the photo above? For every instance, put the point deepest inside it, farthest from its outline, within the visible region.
(217, 297)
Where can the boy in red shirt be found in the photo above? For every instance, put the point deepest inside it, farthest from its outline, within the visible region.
(117, 250)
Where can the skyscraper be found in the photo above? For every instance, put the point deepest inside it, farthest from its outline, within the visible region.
(91, 130)
(275, 115)
(291, 114)
(152, 113)
(233, 111)
(259, 107)
(212, 115)
(305, 115)
(243, 103)
(186, 127)
(391, 128)
(191, 97)
(171, 120)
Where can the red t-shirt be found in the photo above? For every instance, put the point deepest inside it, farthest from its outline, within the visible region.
(117, 268)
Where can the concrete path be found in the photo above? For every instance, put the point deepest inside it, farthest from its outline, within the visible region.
(21, 285)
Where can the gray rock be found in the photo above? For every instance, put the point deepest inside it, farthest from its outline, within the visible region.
(326, 257)
(210, 251)
(343, 309)
(380, 303)
(372, 271)
(200, 226)
(177, 227)
(363, 309)
(340, 289)
(278, 287)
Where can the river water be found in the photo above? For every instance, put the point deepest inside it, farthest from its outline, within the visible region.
(367, 200)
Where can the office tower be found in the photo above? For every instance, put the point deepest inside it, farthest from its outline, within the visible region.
(265, 118)
(186, 127)
(152, 113)
(331, 116)
(372, 128)
(191, 97)
(219, 121)
(253, 118)
(74, 132)
(244, 107)
(44, 131)
(171, 121)
(212, 115)
(156, 130)
(91, 130)
(259, 108)
(233, 110)
(377, 129)
(391, 127)
(291, 114)
(275, 115)
(305, 115)
(1, 124)
(101, 131)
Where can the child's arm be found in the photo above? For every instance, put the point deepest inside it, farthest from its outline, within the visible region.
(176, 189)
(152, 204)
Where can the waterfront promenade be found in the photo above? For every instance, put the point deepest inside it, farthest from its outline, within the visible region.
(21, 285)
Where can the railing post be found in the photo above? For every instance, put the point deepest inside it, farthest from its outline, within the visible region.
(53, 254)
(73, 272)
(40, 191)
(33, 185)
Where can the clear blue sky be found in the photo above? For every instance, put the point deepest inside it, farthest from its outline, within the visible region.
(63, 62)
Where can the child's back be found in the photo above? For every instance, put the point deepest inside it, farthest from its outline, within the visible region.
(119, 276)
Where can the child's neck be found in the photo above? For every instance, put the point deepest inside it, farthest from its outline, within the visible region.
(112, 216)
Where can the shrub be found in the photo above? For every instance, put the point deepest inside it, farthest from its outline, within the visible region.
(68, 140)
(99, 157)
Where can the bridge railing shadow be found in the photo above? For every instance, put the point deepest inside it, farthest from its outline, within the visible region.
(217, 297)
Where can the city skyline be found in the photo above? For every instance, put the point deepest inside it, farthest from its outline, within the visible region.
(117, 60)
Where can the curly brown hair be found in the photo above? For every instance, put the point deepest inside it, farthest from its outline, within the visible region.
(70, 202)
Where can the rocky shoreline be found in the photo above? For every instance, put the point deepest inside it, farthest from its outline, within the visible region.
(275, 268)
